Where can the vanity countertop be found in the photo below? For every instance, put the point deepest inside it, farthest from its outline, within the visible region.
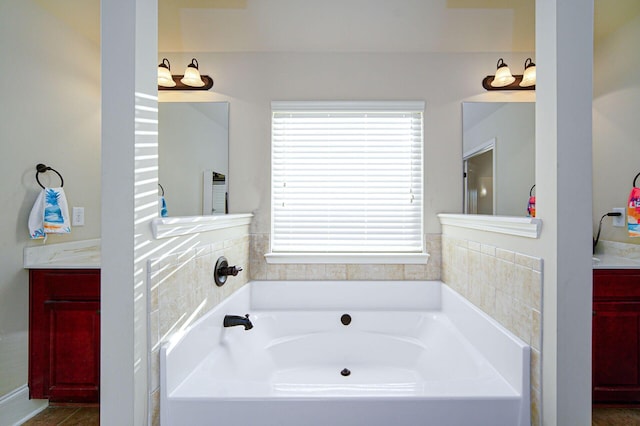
(607, 261)
(72, 255)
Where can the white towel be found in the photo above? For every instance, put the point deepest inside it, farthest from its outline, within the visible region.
(50, 214)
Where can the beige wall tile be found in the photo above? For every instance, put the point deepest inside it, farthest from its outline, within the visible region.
(522, 321)
(154, 328)
(155, 408)
(534, 263)
(434, 265)
(521, 284)
(415, 272)
(460, 281)
(488, 249)
(535, 291)
(488, 269)
(336, 272)
(155, 370)
(536, 329)
(536, 407)
(506, 255)
(504, 305)
(276, 271)
(488, 299)
(434, 270)
(474, 295)
(316, 271)
(475, 246)
(153, 298)
(535, 369)
(474, 264)
(504, 275)
(366, 272)
(393, 272)
(461, 255)
(295, 272)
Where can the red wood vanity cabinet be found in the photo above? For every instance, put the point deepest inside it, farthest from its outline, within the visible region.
(616, 336)
(64, 334)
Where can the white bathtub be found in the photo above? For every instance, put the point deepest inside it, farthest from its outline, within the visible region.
(417, 354)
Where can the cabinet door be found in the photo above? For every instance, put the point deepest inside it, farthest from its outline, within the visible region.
(73, 351)
(616, 352)
(64, 334)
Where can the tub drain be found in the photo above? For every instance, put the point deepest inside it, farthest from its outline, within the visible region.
(345, 372)
(345, 319)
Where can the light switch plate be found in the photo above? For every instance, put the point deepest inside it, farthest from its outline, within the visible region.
(618, 220)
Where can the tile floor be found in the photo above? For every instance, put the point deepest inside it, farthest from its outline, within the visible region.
(615, 417)
(66, 416)
(90, 416)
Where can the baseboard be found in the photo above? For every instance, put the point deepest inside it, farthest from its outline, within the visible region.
(16, 407)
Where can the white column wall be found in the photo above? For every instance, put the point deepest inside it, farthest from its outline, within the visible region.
(564, 44)
(129, 202)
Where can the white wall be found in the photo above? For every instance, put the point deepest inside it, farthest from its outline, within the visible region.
(563, 173)
(50, 113)
(250, 81)
(347, 26)
(616, 102)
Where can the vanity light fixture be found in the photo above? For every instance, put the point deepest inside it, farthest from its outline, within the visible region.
(164, 74)
(503, 75)
(191, 80)
(504, 80)
(192, 75)
(529, 76)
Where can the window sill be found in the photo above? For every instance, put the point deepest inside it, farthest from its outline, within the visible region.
(348, 258)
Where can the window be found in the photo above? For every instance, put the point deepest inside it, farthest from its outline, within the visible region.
(347, 177)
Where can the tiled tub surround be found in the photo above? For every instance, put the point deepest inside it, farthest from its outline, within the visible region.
(261, 270)
(507, 286)
(182, 289)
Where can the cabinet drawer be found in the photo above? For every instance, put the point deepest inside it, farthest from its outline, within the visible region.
(616, 284)
(60, 284)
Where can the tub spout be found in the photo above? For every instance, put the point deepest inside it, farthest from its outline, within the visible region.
(233, 320)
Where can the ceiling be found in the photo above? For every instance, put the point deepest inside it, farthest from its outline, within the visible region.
(342, 25)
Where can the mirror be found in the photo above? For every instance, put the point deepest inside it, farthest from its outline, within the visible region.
(193, 150)
(498, 153)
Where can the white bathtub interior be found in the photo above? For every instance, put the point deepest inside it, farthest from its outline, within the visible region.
(412, 349)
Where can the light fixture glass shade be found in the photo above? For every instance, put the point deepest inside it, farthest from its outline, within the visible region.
(192, 75)
(529, 76)
(164, 74)
(503, 75)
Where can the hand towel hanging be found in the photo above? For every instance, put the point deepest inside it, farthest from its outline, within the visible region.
(50, 214)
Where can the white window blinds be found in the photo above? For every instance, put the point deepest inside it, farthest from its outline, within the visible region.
(347, 177)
